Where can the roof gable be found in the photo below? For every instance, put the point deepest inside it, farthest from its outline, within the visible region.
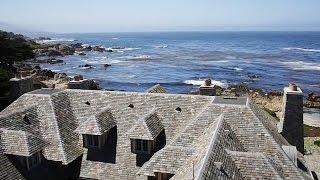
(20, 142)
(148, 127)
(156, 89)
(98, 124)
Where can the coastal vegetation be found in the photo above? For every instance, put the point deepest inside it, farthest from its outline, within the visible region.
(13, 48)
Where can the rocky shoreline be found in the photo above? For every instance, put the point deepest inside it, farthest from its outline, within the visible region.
(50, 53)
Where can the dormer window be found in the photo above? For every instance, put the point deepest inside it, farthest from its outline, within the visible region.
(144, 133)
(33, 161)
(142, 146)
(94, 141)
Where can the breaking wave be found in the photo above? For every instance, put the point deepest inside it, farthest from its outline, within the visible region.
(200, 82)
(300, 65)
(141, 57)
(301, 49)
(161, 46)
(56, 40)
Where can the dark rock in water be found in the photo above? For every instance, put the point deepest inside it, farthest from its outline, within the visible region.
(94, 85)
(52, 52)
(98, 48)
(46, 73)
(55, 61)
(109, 50)
(313, 101)
(43, 38)
(37, 67)
(118, 47)
(87, 48)
(313, 97)
(76, 45)
(50, 61)
(82, 54)
(87, 66)
(253, 77)
(107, 65)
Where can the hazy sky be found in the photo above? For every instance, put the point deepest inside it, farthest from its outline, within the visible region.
(161, 15)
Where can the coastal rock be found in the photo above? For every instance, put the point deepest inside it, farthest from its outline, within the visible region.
(37, 67)
(94, 85)
(107, 65)
(98, 48)
(66, 49)
(254, 77)
(76, 45)
(45, 74)
(313, 101)
(49, 61)
(40, 52)
(53, 52)
(43, 38)
(86, 66)
(87, 48)
(118, 47)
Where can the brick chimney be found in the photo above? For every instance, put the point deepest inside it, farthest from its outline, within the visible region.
(291, 122)
(207, 88)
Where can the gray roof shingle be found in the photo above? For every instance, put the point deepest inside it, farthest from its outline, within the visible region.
(156, 89)
(148, 127)
(98, 124)
(205, 135)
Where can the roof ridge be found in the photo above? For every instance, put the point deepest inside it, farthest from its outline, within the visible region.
(211, 144)
(64, 159)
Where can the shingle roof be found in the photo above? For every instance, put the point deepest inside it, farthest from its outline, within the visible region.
(199, 134)
(156, 89)
(254, 165)
(98, 124)
(7, 170)
(20, 143)
(148, 127)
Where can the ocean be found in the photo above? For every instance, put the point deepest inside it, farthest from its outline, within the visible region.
(181, 61)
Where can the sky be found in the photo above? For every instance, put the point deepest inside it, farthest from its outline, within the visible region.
(161, 15)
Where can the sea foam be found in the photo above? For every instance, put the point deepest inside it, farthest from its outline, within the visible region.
(200, 82)
(301, 49)
(300, 65)
(55, 40)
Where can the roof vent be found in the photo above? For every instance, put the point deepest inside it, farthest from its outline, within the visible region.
(26, 119)
(131, 106)
(87, 103)
(178, 109)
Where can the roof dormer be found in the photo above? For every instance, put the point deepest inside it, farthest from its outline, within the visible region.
(96, 128)
(144, 133)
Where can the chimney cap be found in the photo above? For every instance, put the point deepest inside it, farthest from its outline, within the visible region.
(293, 87)
(207, 82)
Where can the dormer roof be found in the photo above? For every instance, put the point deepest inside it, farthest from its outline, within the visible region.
(98, 124)
(148, 127)
(156, 89)
(20, 143)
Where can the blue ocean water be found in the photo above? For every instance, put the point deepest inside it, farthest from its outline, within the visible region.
(180, 61)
